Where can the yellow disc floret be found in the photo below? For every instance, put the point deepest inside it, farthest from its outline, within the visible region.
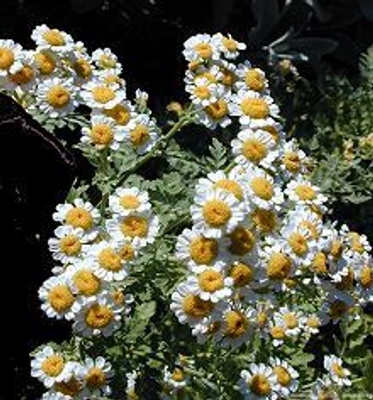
(58, 96)
(103, 94)
(242, 274)
(216, 213)
(79, 217)
(203, 250)
(134, 226)
(110, 260)
(242, 241)
(279, 266)
(87, 283)
(210, 281)
(54, 37)
(255, 108)
(254, 150)
(53, 365)
(195, 307)
(99, 316)
(6, 58)
(70, 245)
(139, 135)
(102, 135)
(60, 298)
(260, 385)
(262, 187)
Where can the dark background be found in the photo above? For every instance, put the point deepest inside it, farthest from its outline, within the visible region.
(148, 38)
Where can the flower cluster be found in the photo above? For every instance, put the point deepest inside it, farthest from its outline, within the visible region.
(59, 78)
(262, 268)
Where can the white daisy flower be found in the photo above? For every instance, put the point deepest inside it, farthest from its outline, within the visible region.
(259, 382)
(200, 48)
(107, 261)
(211, 284)
(253, 109)
(302, 191)
(262, 190)
(189, 308)
(126, 201)
(215, 114)
(68, 245)
(95, 374)
(57, 97)
(311, 324)
(254, 148)
(203, 92)
(175, 380)
(58, 299)
(48, 366)
(99, 316)
(241, 241)
(229, 47)
(97, 94)
(292, 159)
(216, 212)
(9, 57)
(245, 273)
(286, 375)
(81, 66)
(53, 39)
(251, 78)
(24, 74)
(337, 305)
(323, 390)
(303, 217)
(103, 133)
(105, 59)
(199, 252)
(290, 320)
(122, 113)
(47, 63)
(337, 373)
(80, 214)
(110, 77)
(137, 229)
(265, 221)
(142, 133)
(131, 384)
(236, 328)
(83, 280)
(232, 182)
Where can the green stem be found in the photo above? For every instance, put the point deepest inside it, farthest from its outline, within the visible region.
(183, 121)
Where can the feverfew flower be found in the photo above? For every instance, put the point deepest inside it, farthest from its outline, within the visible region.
(228, 46)
(101, 95)
(52, 39)
(126, 201)
(337, 373)
(200, 48)
(286, 375)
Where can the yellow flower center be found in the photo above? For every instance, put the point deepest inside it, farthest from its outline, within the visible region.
(366, 277)
(356, 244)
(262, 187)
(217, 110)
(69, 388)
(103, 94)
(203, 250)
(291, 320)
(87, 283)
(216, 213)
(254, 150)
(262, 319)
(195, 307)
(178, 375)
(326, 394)
(118, 296)
(236, 324)
(54, 37)
(99, 316)
(60, 298)
(210, 281)
(106, 62)
(311, 227)
(79, 217)
(264, 220)
(95, 378)
(229, 44)
(298, 244)
(230, 186)
(45, 63)
(336, 249)
(305, 192)
(255, 80)
(120, 114)
(282, 375)
(337, 309)
(53, 365)
(70, 245)
(127, 252)
(129, 202)
(242, 274)
(255, 108)
(319, 263)
(204, 50)
(102, 134)
(139, 135)
(134, 226)
(260, 385)
(202, 92)
(110, 260)
(208, 75)
(291, 161)
(23, 76)
(278, 332)
(313, 322)
(279, 266)
(82, 68)
(229, 78)
(347, 281)
(58, 96)
(242, 241)
(338, 370)
(6, 58)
